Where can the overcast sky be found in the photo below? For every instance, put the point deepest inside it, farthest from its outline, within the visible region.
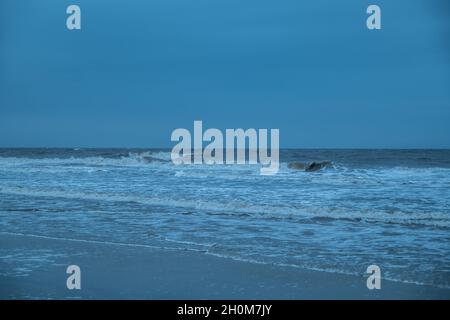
(139, 69)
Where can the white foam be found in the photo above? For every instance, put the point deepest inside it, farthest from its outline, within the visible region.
(236, 207)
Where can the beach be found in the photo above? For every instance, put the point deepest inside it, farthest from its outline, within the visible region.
(120, 271)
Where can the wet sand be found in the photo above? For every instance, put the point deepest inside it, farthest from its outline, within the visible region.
(35, 268)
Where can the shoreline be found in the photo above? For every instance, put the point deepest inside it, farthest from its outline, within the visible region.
(120, 271)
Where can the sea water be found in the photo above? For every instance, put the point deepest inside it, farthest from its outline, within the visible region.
(385, 207)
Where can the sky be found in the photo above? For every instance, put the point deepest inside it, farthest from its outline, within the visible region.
(137, 70)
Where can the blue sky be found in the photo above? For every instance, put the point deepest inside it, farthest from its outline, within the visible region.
(139, 69)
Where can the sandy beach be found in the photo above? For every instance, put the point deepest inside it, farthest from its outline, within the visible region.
(119, 271)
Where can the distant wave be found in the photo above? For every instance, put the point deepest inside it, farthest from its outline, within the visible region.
(131, 159)
(145, 158)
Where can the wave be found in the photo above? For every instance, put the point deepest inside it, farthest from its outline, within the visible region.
(356, 158)
(244, 208)
(163, 158)
(289, 159)
(130, 159)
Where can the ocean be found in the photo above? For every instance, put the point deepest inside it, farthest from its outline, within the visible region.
(385, 207)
